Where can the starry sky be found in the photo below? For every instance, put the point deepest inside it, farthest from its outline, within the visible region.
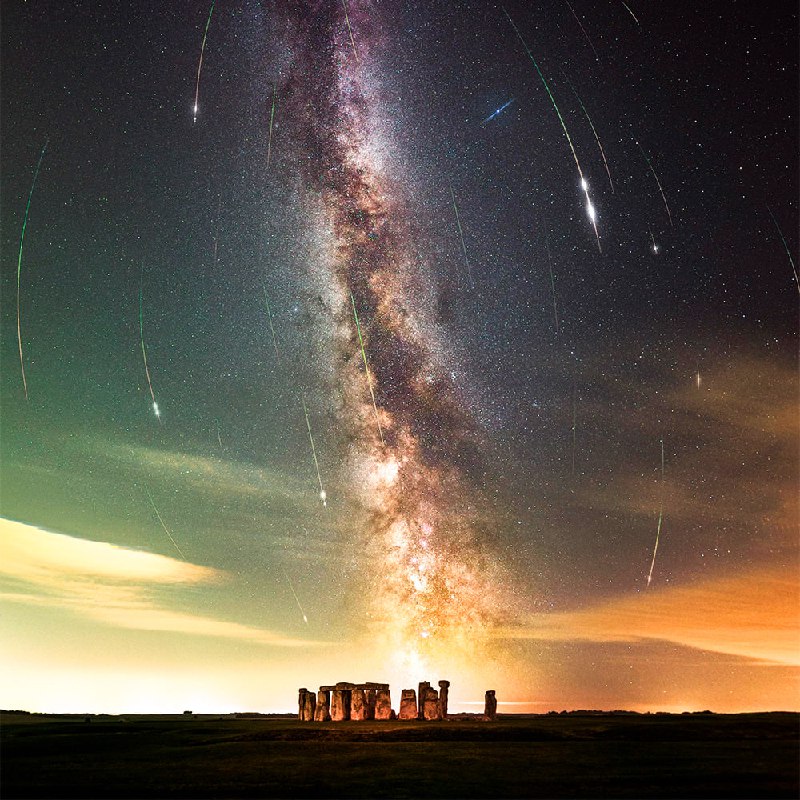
(438, 340)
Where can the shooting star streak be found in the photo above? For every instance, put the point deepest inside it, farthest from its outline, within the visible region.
(350, 30)
(660, 188)
(322, 493)
(366, 368)
(461, 236)
(200, 65)
(219, 436)
(498, 111)
(552, 283)
(19, 266)
(627, 8)
(166, 529)
(785, 246)
(271, 326)
(271, 120)
(144, 349)
(591, 125)
(296, 598)
(660, 518)
(590, 210)
(586, 35)
(653, 238)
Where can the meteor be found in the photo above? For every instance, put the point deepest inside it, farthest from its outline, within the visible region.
(156, 410)
(785, 247)
(461, 236)
(552, 282)
(296, 599)
(166, 529)
(350, 30)
(19, 265)
(322, 493)
(366, 368)
(660, 517)
(583, 30)
(200, 65)
(271, 119)
(498, 111)
(660, 188)
(271, 327)
(590, 209)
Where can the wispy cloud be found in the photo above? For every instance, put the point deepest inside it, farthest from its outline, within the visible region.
(111, 584)
(754, 615)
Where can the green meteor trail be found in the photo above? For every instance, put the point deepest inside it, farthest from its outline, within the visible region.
(271, 120)
(590, 210)
(200, 63)
(322, 493)
(156, 410)
(19, 265)
(366, 368)
(660, 188)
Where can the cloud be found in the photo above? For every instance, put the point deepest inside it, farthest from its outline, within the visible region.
(754, 615)
(111, 584)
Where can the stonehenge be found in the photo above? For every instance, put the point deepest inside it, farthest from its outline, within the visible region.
(373, 701)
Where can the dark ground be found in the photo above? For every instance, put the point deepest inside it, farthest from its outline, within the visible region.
(575, 755)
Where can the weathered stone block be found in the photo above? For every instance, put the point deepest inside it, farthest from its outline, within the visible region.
(423, 688)
(383, 704)
(430, 706)
(408, 704)
(444, 687)
(490, 707)
(322, 713)
(370, 695)
(358, 704)
(340, 704)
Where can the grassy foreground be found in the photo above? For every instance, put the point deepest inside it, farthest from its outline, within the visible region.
(700, 755)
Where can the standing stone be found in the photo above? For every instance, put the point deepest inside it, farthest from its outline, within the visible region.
(340, 705)
(423, 687)
(309, 705)
(490, 709)
(358, 704)
(444, 686)
(301, 703)
(370, 695)
(322, 713)
(383, 704)
(408, 704)
(430, 707)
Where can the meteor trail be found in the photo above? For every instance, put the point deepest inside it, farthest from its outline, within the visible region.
(200, 64)
(271, 119)
(296, 599)
(271, 327)
(785, 246)
(350, 30)
(586, 35)
(166, 530)
(322, 493)
(655, 246)
(366, 368)
(19, 265)
(660, 188)
(591, 125)
(660, 518)
(590, 210)
(498, 111)
(630, 12)
(144, 350)
(461, 236)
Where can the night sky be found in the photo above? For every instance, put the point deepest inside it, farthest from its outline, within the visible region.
(564, 463)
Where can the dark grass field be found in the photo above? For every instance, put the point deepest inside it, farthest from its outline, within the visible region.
(575, 755)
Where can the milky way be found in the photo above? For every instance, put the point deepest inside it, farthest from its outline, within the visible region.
(432, 581)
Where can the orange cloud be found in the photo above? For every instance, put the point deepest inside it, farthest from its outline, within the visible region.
(755, 615)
